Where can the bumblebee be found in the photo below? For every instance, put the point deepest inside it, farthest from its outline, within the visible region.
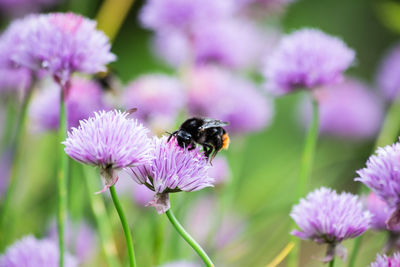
(203, 131)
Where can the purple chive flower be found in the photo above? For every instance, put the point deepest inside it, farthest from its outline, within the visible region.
(167, 15)
(63, 43)
(220, 170)
(158, 98)
(327, 217)
(80, 238)
(382, 176)
(84, 97)
(388, 78)
(307, 58)
(16, 8)
(380, 211)
(111, 141)
(219, 94)
(31, 252)
(385, 261)
(172, 169)
(349, 110)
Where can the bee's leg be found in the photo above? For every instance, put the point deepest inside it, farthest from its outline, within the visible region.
(213, 155)
(170, 135)
(207, 149)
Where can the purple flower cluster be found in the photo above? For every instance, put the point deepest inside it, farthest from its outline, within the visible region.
(158, 98)
(382, 176)
(84, 97)
(380, 211)
(348, 109)
(172, 169)
(307, 58)
(111, 141)
(63, 43)
(388, 79)
(385, 261)
(216, 93)
(327, 217)
(14, 81)
(31, 252)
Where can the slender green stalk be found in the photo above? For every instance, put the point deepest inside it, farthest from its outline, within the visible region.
(125, 226)
(8, 123)
(391, 126)
(13, 151)
(102, 220)
(62, 180)
(354, 253)
(332, 262)
(305, 173)
(189, 239)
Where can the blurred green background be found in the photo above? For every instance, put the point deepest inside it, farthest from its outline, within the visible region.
(266, 164)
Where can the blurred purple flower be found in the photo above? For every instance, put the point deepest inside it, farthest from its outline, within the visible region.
(16, 8)
(382, 176)
(110, 141)
(31, 252)
(14, 81)
(385, 261)
(307, 58)
(158, 98)
(349, 109)
(80, 239)
(173, 169)
(220, 170)
(327, 217)
(235, 43)
(380, 211)
(167, 15)
(219, 94)
(63, 43)
(139, 193)
(388, 77)
(84, 97)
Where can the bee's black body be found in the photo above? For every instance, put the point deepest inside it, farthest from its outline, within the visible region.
(205, 132)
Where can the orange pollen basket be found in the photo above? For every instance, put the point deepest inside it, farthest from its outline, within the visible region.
(225, 141)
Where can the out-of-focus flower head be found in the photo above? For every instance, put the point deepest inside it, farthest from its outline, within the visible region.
(386, 261)
(84, 97)
(110, 141)
(172, 169)
(15, 8)
(220, 170)
(158, 98)
(31, 252)
(234, 43)
(307, 58)
(388, 78)
(170, 15)
(80, 239)
(219, 94)
(61, 43)
(181, 264)
(14, 80)
(380, 211)
(382, 176)
(348, 109)
(327, 217)
(140, 193)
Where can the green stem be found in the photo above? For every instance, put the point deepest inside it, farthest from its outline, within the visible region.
(391, 125)
(305, 173)
(8, 123)
(125, 226)
(102, 220)
(356, 248)
(189, 239)
(13, 150)
(61, 181)
(332, 262)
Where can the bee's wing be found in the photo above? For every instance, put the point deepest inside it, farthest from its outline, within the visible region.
(209, 123)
